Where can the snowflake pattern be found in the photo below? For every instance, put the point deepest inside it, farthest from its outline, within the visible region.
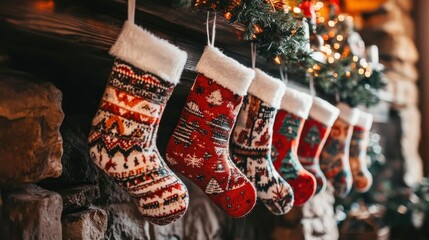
(193, 161)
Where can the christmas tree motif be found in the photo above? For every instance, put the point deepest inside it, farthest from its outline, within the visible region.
(193, 108)
(288, 167)
(215, 98)
(291, 126)
(213, 187)
(313, 136)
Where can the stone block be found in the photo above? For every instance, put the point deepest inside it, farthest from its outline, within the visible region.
(393, 21)
(30, 141)
(31, 212)
(405, 93)
(90, 224)
(392, 46)
(77, 165)
(401, 70)
(79, 197)
(125, 222)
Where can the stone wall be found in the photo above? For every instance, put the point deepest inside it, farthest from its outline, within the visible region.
(392, 29)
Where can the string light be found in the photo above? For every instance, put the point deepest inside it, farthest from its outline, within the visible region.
(341, 18)
(331, 59)
(257, 28)
(368, 74)
(355, 58)
(340, 38)
(361, 71)
(277, 60)
(336, 45)
(348, 74)
(337, 55)
(296, 10)
(331, 23)
(228, 16)
(335, 75)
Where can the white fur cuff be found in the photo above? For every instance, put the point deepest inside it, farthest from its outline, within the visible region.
(348, 114)
(267, 88)
(324, 112)
(224, 70)
(365, 120)
(296, 102)
(149, 53)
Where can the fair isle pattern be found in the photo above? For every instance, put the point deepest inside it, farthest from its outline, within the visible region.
(334, 159)
(122, 142)
(199, 147)
(313, 138)
(286, 136)
(362, 178)
(251, 152)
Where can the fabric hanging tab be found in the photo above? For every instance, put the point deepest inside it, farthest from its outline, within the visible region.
(283, 74)
(311, 85)
(253, 54)
(131, 10)
(213, 29)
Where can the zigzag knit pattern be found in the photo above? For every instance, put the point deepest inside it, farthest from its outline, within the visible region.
(122, 142)
(251, 152)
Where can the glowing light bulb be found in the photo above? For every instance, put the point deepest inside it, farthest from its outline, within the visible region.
(331, 23)
(348, 74)
(340, 38)
(297, 10)
(361, 71)
(336, 45)
(355, 58)
(228, 16)
(277, 60)
(337, 55)
(341, 18)
(331, 59)
(335, 75)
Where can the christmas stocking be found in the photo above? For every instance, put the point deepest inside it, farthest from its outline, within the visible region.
(199, 147)
(313, 137)
(251, 142)
(122, 140)
(290, 119)
(334, 160)
(362, 178)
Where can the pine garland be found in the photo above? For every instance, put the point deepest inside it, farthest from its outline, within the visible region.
(277, 33)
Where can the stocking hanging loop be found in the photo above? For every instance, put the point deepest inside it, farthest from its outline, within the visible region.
(283, 74)
(131, 10)
(311, 85)
(213, 29)
(253, 54)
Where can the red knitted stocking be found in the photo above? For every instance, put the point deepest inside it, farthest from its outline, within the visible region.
(199, 147)
(287, 130)
(313, 137)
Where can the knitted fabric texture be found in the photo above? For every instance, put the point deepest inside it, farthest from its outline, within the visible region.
(334, 159)
(122, 142)
(199, 146)
(287, 132)
(251, 152)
